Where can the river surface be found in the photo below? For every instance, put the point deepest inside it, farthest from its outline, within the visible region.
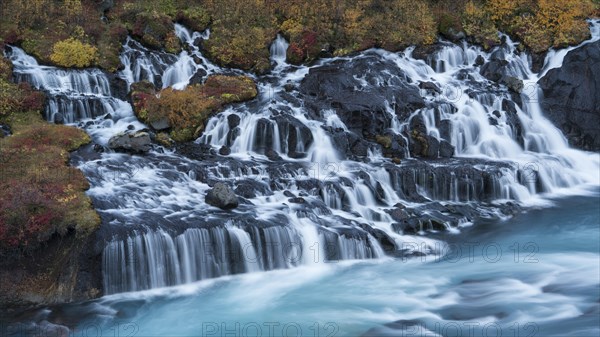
(536, 274)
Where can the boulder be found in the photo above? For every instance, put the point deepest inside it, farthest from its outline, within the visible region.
(430, 86)
(131, 141)
(59, 118)
(222, 196)
(198, 77)
(446, 149)
(224, 150)
(496, 67)
(513, 83)
(161, 124)
(233, 121)
(570, 96)
(479, 60)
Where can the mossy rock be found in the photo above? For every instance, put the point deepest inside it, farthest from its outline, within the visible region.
(155, 31)
(188, 110)
(195, 18)
(230, 89)
(385, 141)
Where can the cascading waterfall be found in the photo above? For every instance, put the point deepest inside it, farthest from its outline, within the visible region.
(279, 50)
(156, 259)
(304, 202)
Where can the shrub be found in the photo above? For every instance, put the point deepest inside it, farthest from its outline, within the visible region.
(195, 18)
(73, 53)
(478, 24)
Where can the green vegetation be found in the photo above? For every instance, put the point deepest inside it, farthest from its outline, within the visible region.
(241, 31)
(187, 110)
(41, 195)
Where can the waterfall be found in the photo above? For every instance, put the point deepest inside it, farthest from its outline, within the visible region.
(278, 50)
(305, 199)
(157, 259)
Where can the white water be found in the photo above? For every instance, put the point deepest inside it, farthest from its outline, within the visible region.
(160, 204)
(540, 277)
(279, 50)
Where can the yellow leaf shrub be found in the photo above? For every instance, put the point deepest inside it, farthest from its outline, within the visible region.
(73, 53)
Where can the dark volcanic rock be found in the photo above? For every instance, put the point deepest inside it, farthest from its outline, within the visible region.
(446, 149)
(360, 91)
(233, 120)
(422, 144)
(161, 124)
(224, 150)
(512, 119)
(251, 188)
(131, 141)
(294, 137)
(198, 77)
(512, 83)
(571, 98)
(59, 118)
(479, 61)
(430, 86)
(496, 67)
(222, 196)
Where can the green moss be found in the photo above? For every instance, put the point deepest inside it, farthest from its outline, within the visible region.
(163, 139)
(385, 141)
(182, 134)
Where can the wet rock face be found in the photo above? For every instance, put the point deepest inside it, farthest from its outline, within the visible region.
(512, 119)
(294, 137)
(131, 142)
(361, 91)
(427, 146)
(570, 96)
(222, 196)
(67, 269)
(366, 93)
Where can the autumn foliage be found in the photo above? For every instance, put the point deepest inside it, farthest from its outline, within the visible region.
(187, 110)
(73, 53)
(241, 31)
(540, 24)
